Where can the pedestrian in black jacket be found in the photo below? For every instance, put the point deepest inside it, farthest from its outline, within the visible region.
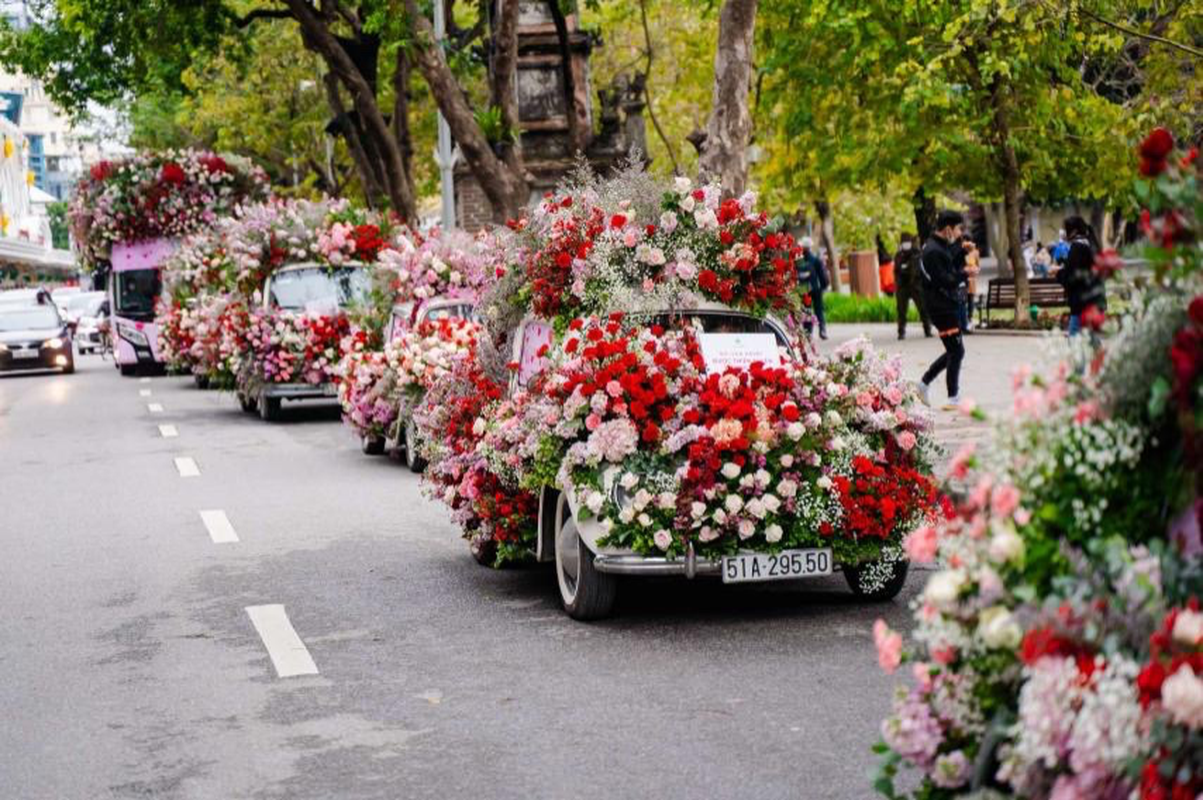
(943, 271)
(812, 276)
(1083, 286)
(909, 284)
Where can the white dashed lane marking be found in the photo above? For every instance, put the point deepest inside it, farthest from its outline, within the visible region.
(288, 653)
(144, 392)
(187, 467)
(144, 380)
(168, 431)
(154, 408)
(219, 527)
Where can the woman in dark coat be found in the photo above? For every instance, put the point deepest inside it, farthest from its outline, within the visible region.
(1083, 286)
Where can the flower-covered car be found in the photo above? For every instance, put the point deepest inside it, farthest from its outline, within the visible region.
(295, 338)
(696, 442)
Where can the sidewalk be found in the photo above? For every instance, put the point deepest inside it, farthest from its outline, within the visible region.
(985, 376)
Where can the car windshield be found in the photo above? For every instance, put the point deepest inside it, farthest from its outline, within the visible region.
(460, 311)
(720, 322)
(319, 289)
(33, 318)
(137, 291)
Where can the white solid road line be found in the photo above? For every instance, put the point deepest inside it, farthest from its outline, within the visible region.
(187, 467)
(154, 408)
(287, 651)
(219, 527)
(168, 431)
(144, 392)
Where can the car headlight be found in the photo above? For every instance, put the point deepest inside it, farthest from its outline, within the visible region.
(53, 344)
(3, 347)
(132, 335)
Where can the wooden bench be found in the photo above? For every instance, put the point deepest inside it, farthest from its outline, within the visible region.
(1042, 293)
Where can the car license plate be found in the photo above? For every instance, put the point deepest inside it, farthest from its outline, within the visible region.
(27, 353)
(749, 567)
(329, 390)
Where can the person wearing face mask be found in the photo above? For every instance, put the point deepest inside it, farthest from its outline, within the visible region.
(943, 269)
(909, 285)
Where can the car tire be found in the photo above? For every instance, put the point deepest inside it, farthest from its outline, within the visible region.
(372, 445)
(127, 370)
(415, 462)
(269, 408)
(888, 590)
(484, 551)
(201, 381)
(585, 593)
(247, 403)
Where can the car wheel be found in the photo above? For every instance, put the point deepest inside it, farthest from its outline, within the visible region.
(586, 593)
(888, 576)
(247, 403)
(127, 370)
(483, 550)
(372, 445)
(201, 381)
(269, 408)
(414, 461)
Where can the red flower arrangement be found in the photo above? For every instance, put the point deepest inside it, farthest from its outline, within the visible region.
(879, 496)
(1154, 151)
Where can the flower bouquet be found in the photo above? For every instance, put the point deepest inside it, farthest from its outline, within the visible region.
(1057, 650)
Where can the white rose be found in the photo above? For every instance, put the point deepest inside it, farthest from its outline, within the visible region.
(998, 629)
(763, 477)
(687, 203)
(756, 508)
(1182, 697)
(720, 516)
(663, 539)
(1006, 546)
(642, 498)
(666, 500)
(626, 515)
(836, 443)
(628, 480)
(746, 528)
(813, 420)
(1188, 627)
(795, 431)
(771, 503)
(824, 482)
(747, 481)
(645, 520)
(943, 587)
(697, 509)
(730, 470)
(787, 461)
(707, 534)
(595, 501)
(734, 503)
(478, 427)
(705, 218)
(682, 184)
(773, 533)
(787, 488)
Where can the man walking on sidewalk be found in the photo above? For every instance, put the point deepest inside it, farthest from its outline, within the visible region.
(812, 275)
(943, 269)
(909, 284)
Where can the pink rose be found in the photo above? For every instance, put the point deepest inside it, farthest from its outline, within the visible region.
(906, 440)
(959, 466)
(592, 422)
(631, 237)
(889, 646)
(614, 389)
(1004, 500)
(864, 399)
(921, 544)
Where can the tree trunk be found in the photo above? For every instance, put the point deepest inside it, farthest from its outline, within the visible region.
(1008, 164)
(373, 190)
(827, 239)
(725, 153)
(577, 133)
(401, 126)
(503, 185)
(924, 206)
(502, 76)
(996, 237)
(316, 33)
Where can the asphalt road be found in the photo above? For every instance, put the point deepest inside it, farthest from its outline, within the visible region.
(131, 668)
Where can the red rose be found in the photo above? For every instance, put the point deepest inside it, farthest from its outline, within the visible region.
(1157, 145)
(563, 260)
(1107, 263)
(173, 173)
(790, 412)
(1149, 682)
(1093, 318)
(618, 221)
(101, 170)
(651, 432)
(1195, 310)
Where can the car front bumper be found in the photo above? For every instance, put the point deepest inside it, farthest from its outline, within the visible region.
(301, 391)
(46, 359)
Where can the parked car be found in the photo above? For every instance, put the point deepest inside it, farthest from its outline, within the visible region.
(34, 337)
(401, 440)
(571, 536)
(315, 290)
(23, 297)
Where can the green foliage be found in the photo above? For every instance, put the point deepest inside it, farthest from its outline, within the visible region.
(59, 229)
(854, 308)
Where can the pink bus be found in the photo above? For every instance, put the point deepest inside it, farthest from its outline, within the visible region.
(135, 284)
